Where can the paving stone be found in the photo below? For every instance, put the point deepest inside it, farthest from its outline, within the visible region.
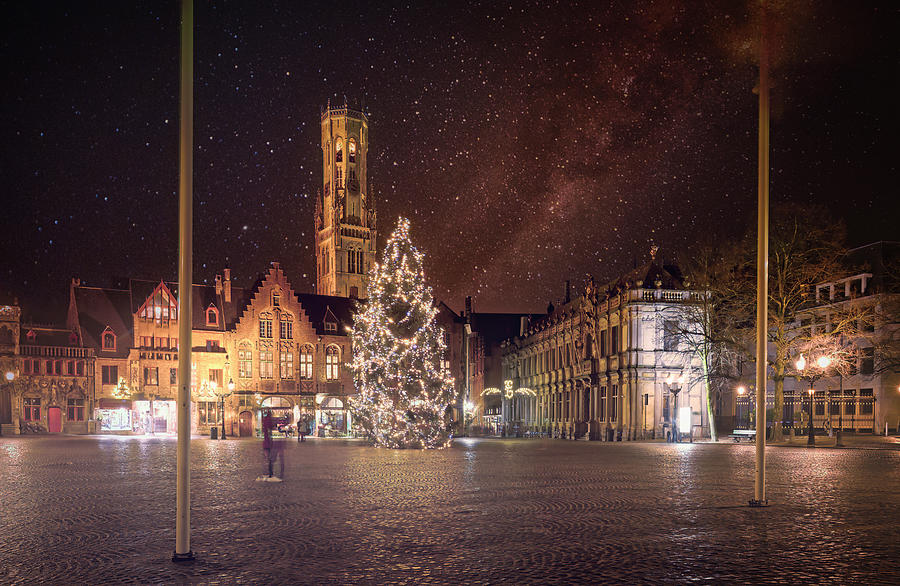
(101, 510)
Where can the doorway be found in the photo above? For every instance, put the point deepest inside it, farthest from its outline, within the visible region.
(245, 424)
(54, 420)
(5, 406)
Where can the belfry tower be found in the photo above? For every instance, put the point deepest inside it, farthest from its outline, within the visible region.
(345, 218)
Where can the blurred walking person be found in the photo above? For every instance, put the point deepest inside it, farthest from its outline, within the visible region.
(273, 448)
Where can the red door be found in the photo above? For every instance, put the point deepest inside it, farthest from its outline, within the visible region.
(245, 424)
(54, 420)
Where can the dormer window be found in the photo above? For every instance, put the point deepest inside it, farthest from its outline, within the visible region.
(351, 151)
(212, 316)
(31, 336)
(330, 326)
(338, 151)
(108, 339)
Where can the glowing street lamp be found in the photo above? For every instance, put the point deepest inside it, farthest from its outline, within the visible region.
(822, 363)
(741, 391)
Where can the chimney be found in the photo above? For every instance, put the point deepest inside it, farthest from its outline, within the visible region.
(226, 286)
(218, 284)
(468, 305)
(568, 291)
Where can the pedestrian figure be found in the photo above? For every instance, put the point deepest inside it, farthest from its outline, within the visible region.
(272, 448)
(302, 428)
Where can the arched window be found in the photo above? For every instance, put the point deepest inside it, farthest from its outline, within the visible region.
(287, 327)
(306, 363)
(245, 361)
(351, 151)
(332, 363)
(265, 325)
(338, 150)
(212, 316)
(109, 339)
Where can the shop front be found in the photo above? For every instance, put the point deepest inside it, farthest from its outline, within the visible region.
(332, 417)
(114, 415)
(156, 416)
(282, 410)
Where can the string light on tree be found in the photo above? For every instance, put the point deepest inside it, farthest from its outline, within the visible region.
(403, 395)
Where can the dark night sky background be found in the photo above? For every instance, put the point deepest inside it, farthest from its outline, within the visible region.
(528, 142)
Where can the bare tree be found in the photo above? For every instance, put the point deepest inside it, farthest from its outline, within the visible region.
(710, 324)
(805, 249)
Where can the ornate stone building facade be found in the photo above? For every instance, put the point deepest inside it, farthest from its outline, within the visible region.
(345, 215)
(603, 365)
(48, 378)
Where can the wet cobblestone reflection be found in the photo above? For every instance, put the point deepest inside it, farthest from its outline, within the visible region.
(101, 510)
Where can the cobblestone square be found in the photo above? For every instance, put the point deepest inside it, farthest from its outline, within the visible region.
(100, 510)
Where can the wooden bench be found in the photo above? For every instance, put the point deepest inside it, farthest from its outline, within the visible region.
(739, 434)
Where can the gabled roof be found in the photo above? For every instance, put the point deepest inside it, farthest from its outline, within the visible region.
(317, 307)
(98, 308)
(202, 296)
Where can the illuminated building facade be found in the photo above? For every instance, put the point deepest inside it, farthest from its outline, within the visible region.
(603, 364)
(345, 215)
(47, 377)
(265, 348)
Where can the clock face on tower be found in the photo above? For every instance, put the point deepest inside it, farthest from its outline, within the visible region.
(345, 219)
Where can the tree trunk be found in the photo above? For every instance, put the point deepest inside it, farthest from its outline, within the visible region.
(778, 376)
(710, 411)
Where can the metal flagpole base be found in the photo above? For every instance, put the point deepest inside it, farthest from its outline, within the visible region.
(756, 503)
(183, 557)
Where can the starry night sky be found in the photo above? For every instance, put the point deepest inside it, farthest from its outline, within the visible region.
(528, 142)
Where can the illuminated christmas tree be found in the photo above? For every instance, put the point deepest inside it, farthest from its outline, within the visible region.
(402, 394)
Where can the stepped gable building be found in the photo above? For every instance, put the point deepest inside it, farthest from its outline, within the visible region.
(266, 347)
(345, 215)
(604, 364)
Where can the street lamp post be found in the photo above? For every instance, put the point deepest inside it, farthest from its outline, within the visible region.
(814, 374)
(222, 397)
(741, 391)
(674, 387)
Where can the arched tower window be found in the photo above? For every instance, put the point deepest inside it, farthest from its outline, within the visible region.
(338, 151)
(351, 151)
